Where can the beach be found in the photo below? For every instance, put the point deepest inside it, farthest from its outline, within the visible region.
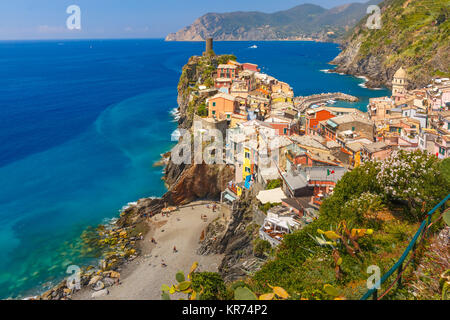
(141, 279)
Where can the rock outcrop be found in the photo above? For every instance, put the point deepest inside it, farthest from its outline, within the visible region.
(200, 181)
(234, 239)
(412, 35)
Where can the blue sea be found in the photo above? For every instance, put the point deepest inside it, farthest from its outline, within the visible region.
(81, 124)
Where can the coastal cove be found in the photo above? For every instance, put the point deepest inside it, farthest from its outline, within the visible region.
(82, 128)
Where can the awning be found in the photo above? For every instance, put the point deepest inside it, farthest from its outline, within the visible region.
(229, 197)
(272, 196)
(332, 124)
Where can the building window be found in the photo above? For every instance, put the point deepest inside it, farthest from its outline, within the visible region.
(213, 112)
(285, 131)
(214, 104)
(247, 169)
(247, 155)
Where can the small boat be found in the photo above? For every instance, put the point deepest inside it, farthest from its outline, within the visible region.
(254, 46)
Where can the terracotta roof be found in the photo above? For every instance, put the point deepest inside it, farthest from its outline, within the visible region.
(224, 96)
(226, 66)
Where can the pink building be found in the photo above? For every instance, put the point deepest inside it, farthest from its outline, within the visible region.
(227, 71)
(250, 66)
(442, 146)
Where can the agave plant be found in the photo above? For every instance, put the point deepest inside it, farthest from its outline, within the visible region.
(244, 293)
(183, 285)
(332, 291)
(341, 235)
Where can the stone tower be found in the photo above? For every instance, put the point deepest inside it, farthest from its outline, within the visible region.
(399, 84)
(209, 47)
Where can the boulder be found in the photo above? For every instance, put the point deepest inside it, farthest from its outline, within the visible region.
(100, 293)
(99, 286)
(108, 282)
(94, 280)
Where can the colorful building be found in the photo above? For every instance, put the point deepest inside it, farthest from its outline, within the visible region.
(228, 71)
(222, 106)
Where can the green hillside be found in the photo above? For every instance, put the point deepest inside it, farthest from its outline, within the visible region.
(302, 21)
(414, 34)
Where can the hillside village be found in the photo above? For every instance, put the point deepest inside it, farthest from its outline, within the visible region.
(292, 157)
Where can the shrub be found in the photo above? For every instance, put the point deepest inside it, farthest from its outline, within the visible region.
(414, 177)
(210, 284)
(261, 247)
(273, 184)
(202, 110)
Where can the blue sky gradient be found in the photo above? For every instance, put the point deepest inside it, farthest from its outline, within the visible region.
(46, 19)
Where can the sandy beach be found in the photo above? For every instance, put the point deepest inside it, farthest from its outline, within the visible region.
(141, 279)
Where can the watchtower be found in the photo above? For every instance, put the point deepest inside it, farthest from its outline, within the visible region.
(209, 47)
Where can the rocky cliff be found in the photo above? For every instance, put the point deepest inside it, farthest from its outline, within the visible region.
(188, 182)
(234, 239)
(306, 21)
(414, 34)
(200, 181)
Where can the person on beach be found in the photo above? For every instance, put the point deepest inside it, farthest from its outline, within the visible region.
(175, 249)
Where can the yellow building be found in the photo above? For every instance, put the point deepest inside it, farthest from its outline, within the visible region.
(247, 164)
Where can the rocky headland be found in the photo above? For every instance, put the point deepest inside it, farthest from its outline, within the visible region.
(121, 242)
(411, 35)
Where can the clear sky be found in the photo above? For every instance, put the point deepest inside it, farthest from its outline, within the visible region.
(46, 19)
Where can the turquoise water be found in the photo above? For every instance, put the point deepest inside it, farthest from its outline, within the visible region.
(82, 122)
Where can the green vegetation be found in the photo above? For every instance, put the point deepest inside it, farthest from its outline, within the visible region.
(414, 33)
(261, 248)
(210, 284)
(265, 207)
(273, 184)
(197, 286)
(202, 110)
(369, 220)
(198, 70)
(363, 199)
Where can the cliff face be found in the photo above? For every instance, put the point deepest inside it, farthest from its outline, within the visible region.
(188, 182)
(414, 34)
(301, 22)
(200, 181)
(234, 240)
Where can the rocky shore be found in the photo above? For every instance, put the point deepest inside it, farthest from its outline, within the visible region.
(120, 242)
(127, 239)
(116, 243)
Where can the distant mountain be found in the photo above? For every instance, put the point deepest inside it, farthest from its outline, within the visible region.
(306, 21)
(414, 34)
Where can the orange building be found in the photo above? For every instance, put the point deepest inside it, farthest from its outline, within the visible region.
(313, 119)
(222, 106)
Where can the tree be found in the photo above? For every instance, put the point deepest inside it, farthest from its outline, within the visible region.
(202, 110)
